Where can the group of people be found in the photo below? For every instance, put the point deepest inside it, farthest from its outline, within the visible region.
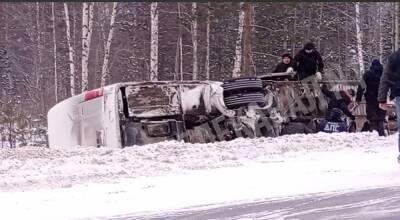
(374, 86)
(306, 62)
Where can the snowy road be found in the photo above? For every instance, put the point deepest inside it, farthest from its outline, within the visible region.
(296, 176)
(376, 203)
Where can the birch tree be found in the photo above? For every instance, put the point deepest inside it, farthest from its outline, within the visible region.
(396, 26)
(90, 30)
(54, 53)
(285, 31)
(38, 46)
(71, 52)
(380, 32)
(194, 41)
(87, 25)
(294, 32)
(359, 40)
(178, 52)
(247, 37)
(208, 42)
(104, 70)
(180, 41)
(238, 50)
(154, 42)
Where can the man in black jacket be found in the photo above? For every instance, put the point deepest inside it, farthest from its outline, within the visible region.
(339, 99)
(391, 80)
(369, 87)
(308, 62)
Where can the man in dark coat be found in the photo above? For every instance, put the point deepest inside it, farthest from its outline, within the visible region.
(391, 80)
(308, 62)
(369, 87)
(340, 100)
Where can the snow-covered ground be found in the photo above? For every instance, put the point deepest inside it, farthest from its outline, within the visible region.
(41, 183)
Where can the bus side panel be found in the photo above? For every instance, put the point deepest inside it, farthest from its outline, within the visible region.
(91, 121)
(64, 123)
(111, 132)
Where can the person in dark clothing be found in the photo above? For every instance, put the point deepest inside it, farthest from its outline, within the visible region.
(298, 125)
(334, 123)
(286, 65)
(366, 127)
(295, 128)
(308, 62)
(340, 100)
(369, 87)
(391, 80)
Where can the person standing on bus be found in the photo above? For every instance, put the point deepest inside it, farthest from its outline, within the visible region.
(286, 65)
(308, 62)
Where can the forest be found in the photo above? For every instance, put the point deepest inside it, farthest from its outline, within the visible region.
(50, 51)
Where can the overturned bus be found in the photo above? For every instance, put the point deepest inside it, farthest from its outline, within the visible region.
(137, 113)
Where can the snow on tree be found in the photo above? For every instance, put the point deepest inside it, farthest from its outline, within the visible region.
(104, 70)
(71, 52)
(87, 27)
(154, 43)
(359, 41)
(238, 50)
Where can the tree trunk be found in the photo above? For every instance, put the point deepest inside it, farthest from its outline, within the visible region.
(380, 32)
(346, 49)
(91, 18)
(40, 83)
(180, 41)
(285, 30)
(102, 22)
(396, 26)
(7, 90)
(310, 20)
(104, 70)
(238, 51)
(54, 53)
(176, 60)
(247, 38)
(339, 51)
(71, 52)
(294, 32)
(87, 23)
(73, 36)
(38, 45)
(359, 40)
(194, 41)
(208, 42)
(154, 43)
(85, 32)
(320, 22)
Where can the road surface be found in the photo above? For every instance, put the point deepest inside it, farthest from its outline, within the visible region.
(376, 203)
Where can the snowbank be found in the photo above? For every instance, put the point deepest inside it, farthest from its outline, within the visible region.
(42, 183)
(36, 168)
